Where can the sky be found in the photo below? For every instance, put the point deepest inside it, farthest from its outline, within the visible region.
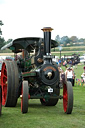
(26, 18)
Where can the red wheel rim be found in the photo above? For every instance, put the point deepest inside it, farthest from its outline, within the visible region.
(4, 83)
(65, 98)
(28, 96)
(21, 98)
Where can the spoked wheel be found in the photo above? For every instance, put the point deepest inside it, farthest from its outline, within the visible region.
(24, 97)
(0, 100)
(68, 98)
(9, 83)
(51, 101)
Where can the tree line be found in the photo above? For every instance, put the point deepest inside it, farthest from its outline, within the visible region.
(2, 40)
(70, 41)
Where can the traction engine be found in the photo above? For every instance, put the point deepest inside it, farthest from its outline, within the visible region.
(34, 74)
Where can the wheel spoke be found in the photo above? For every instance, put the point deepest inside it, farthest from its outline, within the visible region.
(65, 98)
(4, 76)
(4, 83)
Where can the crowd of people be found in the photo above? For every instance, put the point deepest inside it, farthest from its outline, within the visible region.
(71, 63)
(69, 71)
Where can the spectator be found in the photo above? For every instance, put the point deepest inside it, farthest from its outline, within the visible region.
(83, 77)
(73, 64)
(84, 69)
(70, 63)
(70, 75)
(64, 63)
(76, 64)
(60, 63)
(66, 69)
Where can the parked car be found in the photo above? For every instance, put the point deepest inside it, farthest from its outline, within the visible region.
(82, 59)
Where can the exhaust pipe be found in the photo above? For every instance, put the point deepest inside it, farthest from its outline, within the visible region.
(47, 40)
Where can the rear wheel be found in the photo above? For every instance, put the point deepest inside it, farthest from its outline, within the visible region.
(0, 100)
(15, 82)
(24, 97)
(9, 83)
(68, 98)
(51, 101)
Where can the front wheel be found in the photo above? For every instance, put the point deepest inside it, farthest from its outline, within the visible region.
(68, 98)
(24, 97)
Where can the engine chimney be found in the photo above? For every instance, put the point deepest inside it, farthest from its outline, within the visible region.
(47, 40)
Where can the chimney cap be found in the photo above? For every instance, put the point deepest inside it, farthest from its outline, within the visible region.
(47, 29)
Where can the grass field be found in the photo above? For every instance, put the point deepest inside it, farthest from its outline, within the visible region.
(47, 117)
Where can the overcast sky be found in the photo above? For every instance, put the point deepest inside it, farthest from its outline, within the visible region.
(26, 18)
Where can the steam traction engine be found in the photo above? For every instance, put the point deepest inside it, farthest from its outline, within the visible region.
(34, 76)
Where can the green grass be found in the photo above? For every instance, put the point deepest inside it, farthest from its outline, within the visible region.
(79, 70)
(71, 48)
(47, 117)
(68, 53)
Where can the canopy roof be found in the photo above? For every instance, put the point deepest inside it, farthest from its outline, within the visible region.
(28, 43)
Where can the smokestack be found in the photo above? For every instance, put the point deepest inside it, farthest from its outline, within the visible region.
(47, 40)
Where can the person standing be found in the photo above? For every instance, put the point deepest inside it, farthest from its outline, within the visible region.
(60, 63)
(70, 63)
(84, 68)
(83, 77)
(70, 75)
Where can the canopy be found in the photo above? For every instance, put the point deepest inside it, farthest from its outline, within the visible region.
(28, 43)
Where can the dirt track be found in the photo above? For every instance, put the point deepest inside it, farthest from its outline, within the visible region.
(6, 54)
(10, 54)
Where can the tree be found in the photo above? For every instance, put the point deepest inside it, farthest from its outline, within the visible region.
(2, 42)
(58, 38)
(1, 23)
(8, 41)
(73, 39)
(0, 28)
(65, 40)
(81, 40)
